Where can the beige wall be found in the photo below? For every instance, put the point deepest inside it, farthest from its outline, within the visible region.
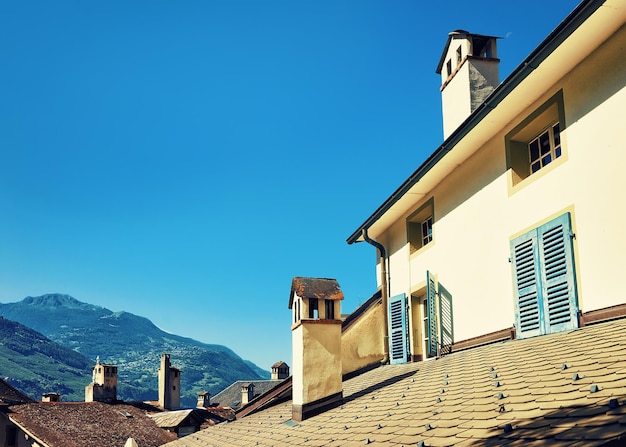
(478, 211)
(362, 342)
(316, 361)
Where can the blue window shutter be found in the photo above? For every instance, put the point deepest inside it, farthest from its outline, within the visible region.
(526, 285)
(398, 329)
(445, 320)
(431, 297)
(557, 274)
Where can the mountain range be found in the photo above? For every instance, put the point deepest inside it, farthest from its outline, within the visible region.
(131, 342)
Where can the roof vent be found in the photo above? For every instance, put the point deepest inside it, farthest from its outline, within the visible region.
(613, 403)
(575, 377)
(508, 428)
(594, 388)
(564, 366)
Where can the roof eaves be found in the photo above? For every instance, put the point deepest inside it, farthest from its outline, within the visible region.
(581, 13)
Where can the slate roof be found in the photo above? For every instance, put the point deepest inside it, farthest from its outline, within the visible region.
(231, 395)
(561, 389)
(9, 395)
(87, 424)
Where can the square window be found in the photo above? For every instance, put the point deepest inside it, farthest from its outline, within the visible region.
(536, 141)
(420, 227)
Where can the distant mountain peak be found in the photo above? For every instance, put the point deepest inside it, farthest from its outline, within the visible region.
(57, 300)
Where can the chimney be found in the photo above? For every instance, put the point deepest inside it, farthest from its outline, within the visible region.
(103, 386)
(247, 393)
(169, 384)
(316, 345)
(280, 371)
(204, 399)
(51, 397)
(469, 69)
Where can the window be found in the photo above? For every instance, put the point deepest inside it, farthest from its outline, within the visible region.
(313, 309)
(420, 227)
(329, 309)
(458, 55)
(543, 279)
(11, 435)
(536, 142)
(545, 148)
(449, 67)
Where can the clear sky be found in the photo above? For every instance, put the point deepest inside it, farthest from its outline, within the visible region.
(184, 160)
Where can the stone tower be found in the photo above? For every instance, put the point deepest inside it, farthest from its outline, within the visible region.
(103, 386)
(169, 384)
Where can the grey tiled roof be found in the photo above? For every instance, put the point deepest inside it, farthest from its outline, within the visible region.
(231, 396)
(561, 389)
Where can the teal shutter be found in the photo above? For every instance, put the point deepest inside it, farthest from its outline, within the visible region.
(557, 274)
(431, 304)
(445, 320)
(544, 281)
(525, 264)
(398, 333)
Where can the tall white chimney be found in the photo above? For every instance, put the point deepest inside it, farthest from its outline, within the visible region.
(469, 69)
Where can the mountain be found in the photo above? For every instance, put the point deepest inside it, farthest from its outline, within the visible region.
(35, 364)
(134, 344)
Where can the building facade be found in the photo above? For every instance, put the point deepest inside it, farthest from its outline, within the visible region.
(515, 220)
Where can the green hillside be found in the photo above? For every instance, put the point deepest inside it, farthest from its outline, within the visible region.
(134, 344)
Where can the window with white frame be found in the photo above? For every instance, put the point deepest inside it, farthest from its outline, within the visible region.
(536, 141)
(545, 148)
(420, 227)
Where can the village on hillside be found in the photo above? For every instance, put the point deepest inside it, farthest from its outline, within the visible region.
(498, 319)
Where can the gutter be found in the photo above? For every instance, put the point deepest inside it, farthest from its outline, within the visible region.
(384, 290)
(579, 15)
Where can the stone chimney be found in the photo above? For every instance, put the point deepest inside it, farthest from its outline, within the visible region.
(469, 69)
(103, 386)
(316, 345)
(169, 384)
(247, 393)
(51, 397)
(204, 399)
(280, 371)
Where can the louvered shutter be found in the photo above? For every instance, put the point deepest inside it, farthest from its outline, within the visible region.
(431, 301)
(525, 264)
(557, 274)
(445, 320)
(398, 335)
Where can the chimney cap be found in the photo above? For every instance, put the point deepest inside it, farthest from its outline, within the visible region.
(460, 33)
(279, 364)
(321, 288)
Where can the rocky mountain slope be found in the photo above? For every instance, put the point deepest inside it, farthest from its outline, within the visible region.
(133, 343)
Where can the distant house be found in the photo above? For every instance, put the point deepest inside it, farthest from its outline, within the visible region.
(504, 319)
(82, 424)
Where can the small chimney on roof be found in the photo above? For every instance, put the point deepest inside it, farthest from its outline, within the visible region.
(247, 393)
(204, 399)
(316, 344)
(280, 371)
(51, 397)
(469, 69)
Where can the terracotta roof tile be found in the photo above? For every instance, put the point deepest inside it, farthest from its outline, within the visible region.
(512, 393)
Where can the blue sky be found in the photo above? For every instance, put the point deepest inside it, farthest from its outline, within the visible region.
(185, 160)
